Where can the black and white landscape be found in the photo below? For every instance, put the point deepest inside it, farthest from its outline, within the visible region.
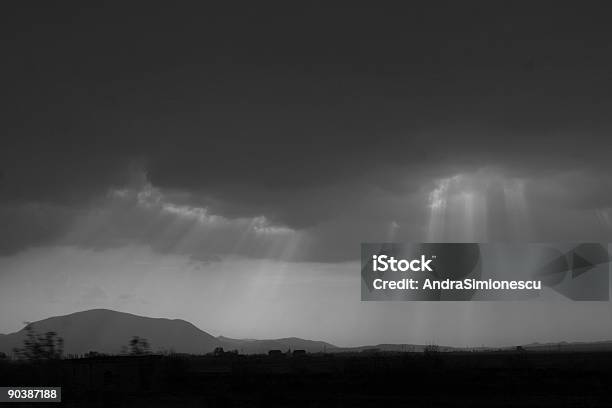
(222, 163)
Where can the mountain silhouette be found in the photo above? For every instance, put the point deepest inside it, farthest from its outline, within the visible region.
(251, 346)
(107, 331)
(587, 346)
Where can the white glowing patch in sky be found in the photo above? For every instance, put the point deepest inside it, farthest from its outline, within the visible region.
(198, 213)
(437, 197)
(460, 207)
(149, 196)
(261, 225)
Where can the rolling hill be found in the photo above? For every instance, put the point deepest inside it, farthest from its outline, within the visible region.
(250, 346)
(107, 331)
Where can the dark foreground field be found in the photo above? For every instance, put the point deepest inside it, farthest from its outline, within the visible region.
(491, 379)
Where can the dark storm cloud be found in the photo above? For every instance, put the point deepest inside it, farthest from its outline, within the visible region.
(298, 114)
(31, 224)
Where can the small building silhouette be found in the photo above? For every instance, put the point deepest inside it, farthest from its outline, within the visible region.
(276, 353)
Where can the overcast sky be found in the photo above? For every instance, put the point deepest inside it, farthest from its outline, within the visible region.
(222, 165)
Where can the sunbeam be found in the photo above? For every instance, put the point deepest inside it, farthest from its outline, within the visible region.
(477, 207)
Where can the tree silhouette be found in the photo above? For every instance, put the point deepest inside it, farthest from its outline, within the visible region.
(37, 346)
(139, 346)
(93, 354)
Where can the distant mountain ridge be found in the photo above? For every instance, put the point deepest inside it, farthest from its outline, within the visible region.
(109, 331)
(605, 345)
(251, 346)
(398, 348)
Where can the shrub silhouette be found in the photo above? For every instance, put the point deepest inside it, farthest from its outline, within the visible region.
(37, 346)
(139, 346)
